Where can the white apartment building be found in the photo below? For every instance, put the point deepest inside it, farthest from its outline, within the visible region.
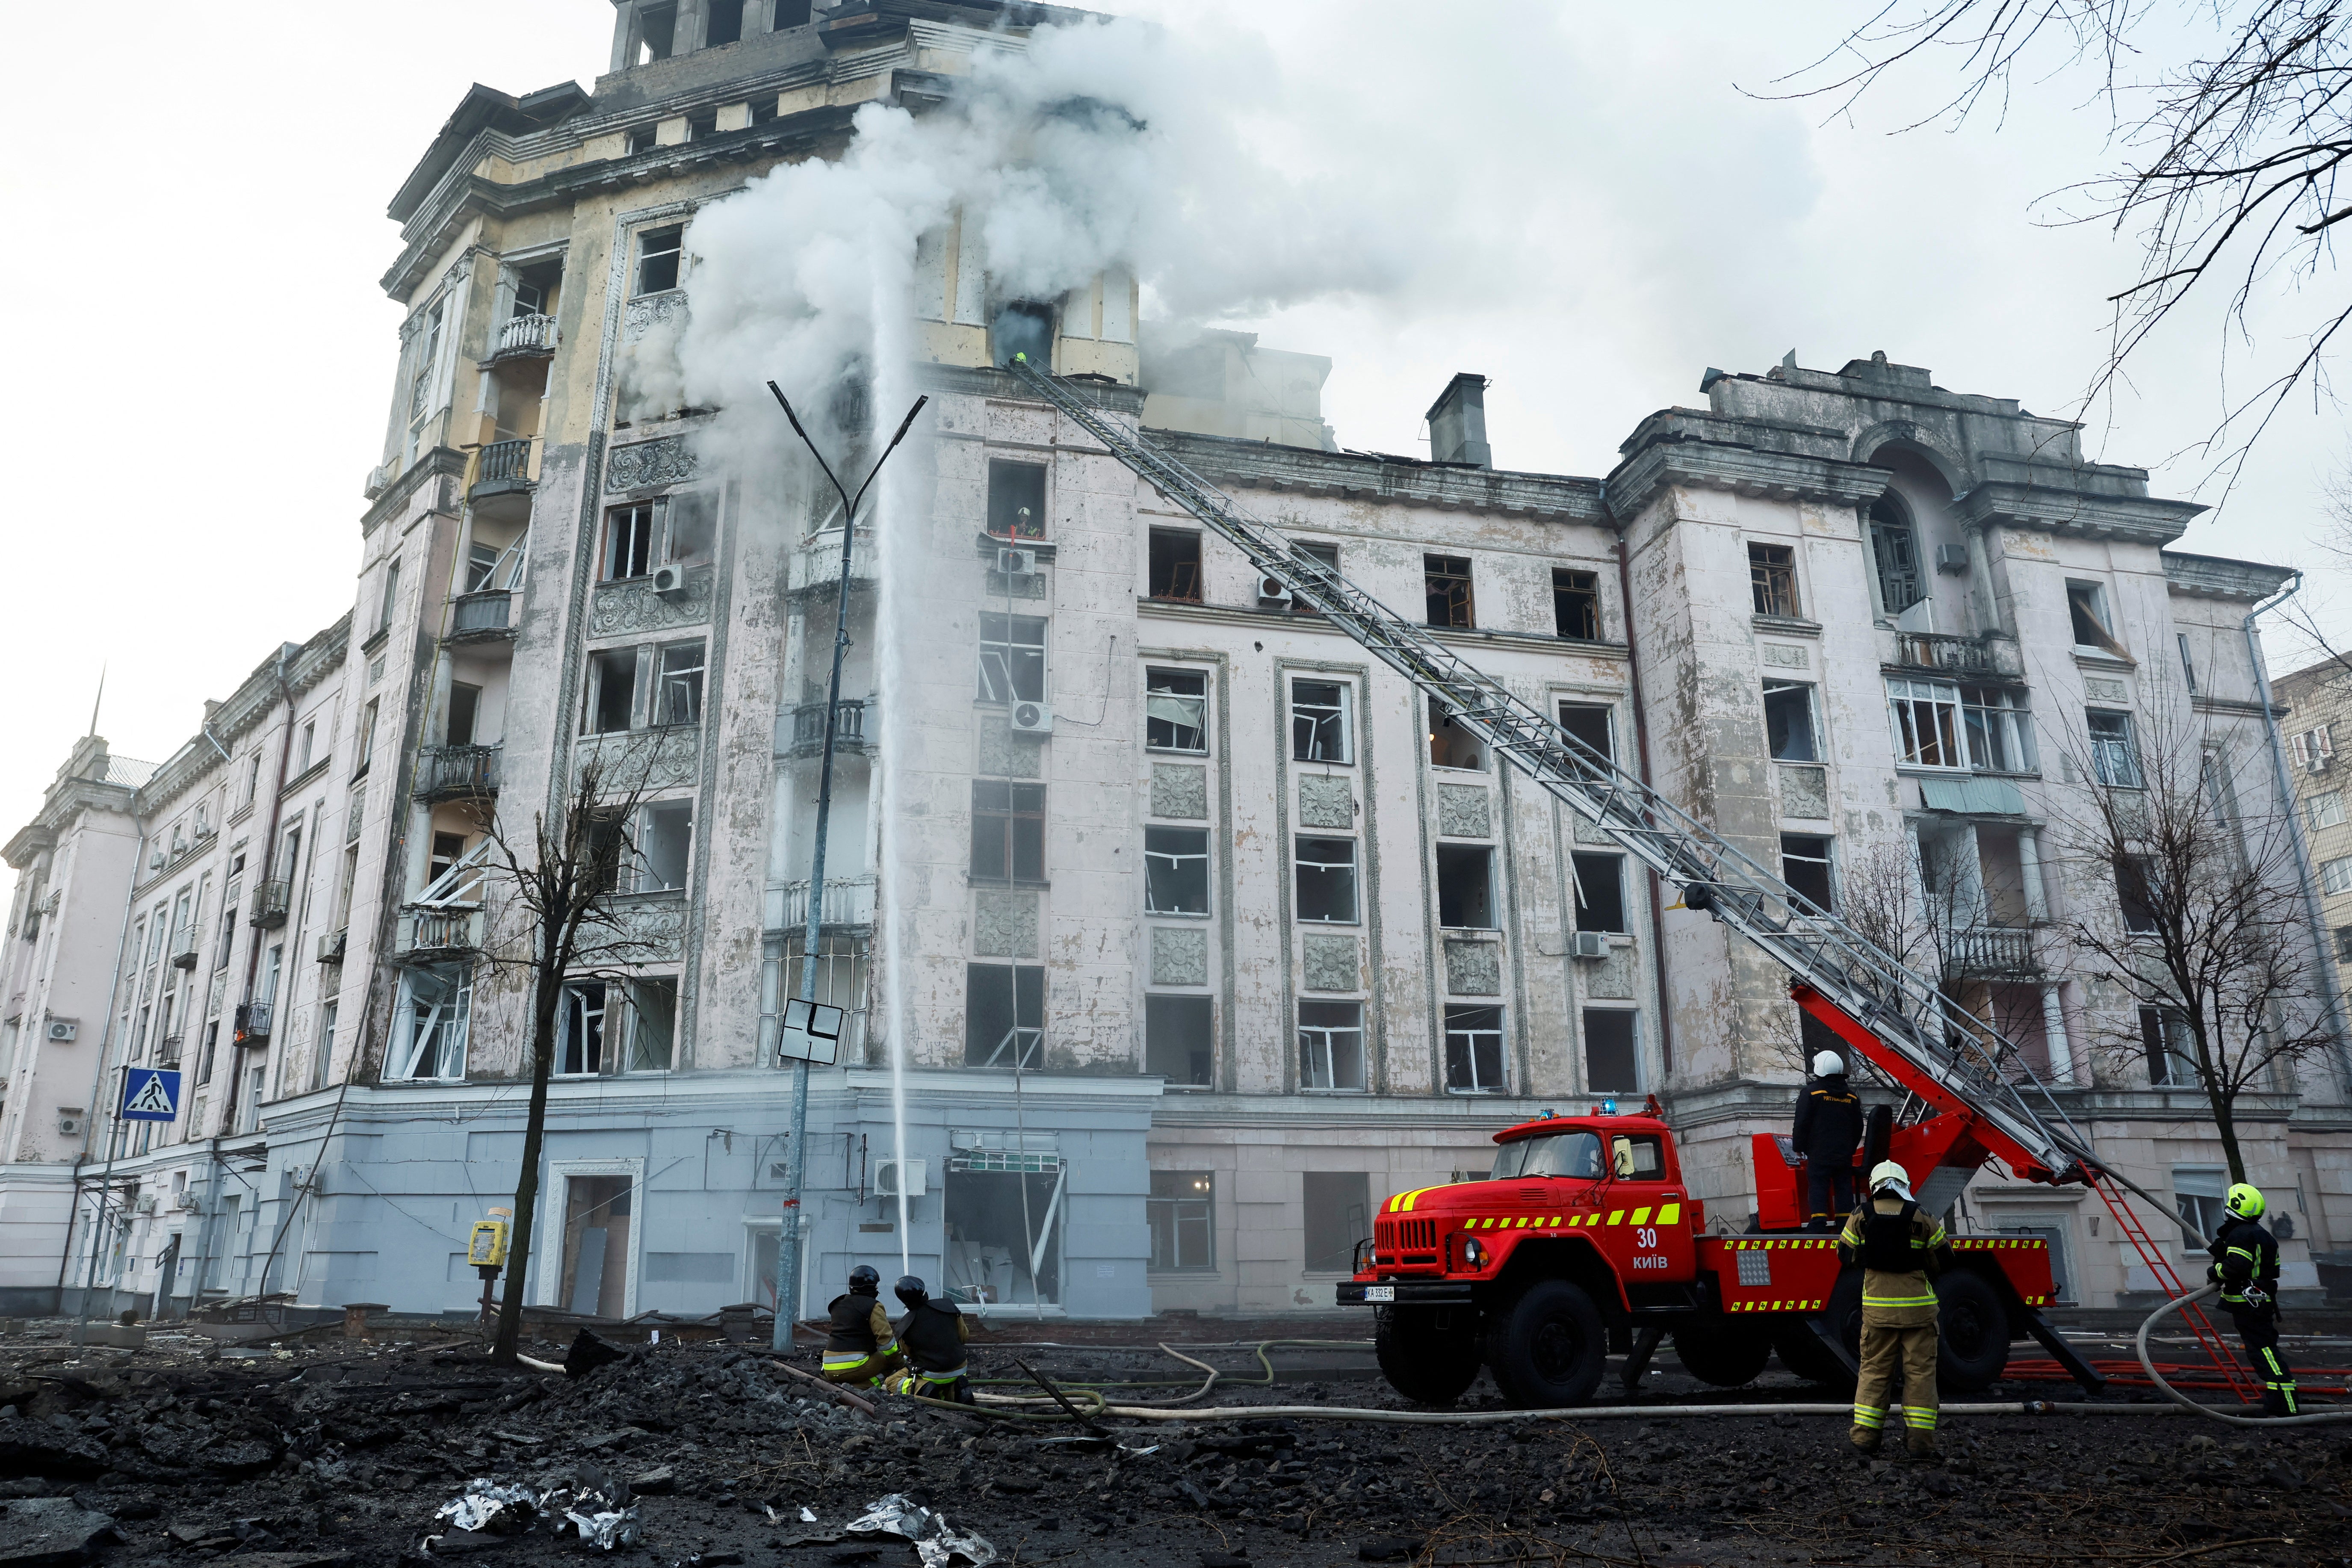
(1198, 933)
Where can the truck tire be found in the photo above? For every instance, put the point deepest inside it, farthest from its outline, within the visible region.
(1971, 1333)
(1426, 1363)
(1549, 1347)
(1802, 1351)
(1722, 1352)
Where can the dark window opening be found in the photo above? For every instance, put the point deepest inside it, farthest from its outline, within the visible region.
(1451, 746)
(726, 23)
(642, 139)
(1178, 1039)
(1321, 554)
(608, 847)
(658, 25)
(535, 287)
(2171, 1057)
(702, 127)
(1004, 1015)
(1473, 1051)
(1016, 499)
(1327, 880)
(1175, 564)
(1611, 1064)
(1895, 550)
(659, 251)
(1008, 831)
(1599, 891)
(2087, 608)
(1176, 711)
(1588, 722)
(1772, 578)
(1176, 870)
(1183, 1211)
(2137, 895)
(2343, 945)
(1805, 867)
(1788, 722)
(448, 849)
(584, 1030)
(1446, 580)
(2187, 662)
(464, 708)
(1466, 887)
(1576, 604)
(763, 111)
(1339, 1214)
(687, 527)
(1023, 329)
(629, 541)
(791, 14)
(612, 690)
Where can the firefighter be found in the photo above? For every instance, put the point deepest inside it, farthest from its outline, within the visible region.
(862, 1347)
(2246, 1265)
(1828, 1131)
(1900, 1249)
(931, 1337)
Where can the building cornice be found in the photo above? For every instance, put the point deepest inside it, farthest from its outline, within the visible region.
(28, 841)
(2219, 577)
(440, 463)
(246, 706)
(987, 380)
(2138, 519)
(1669, 460)
(1365, 476)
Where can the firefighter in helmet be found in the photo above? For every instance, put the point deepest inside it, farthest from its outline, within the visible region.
(862, 1346)
(1900, 1249)
(1828, 1129)
(931, 1336)
(2246, 1265)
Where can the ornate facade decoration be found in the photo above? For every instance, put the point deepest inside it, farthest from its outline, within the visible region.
(1474, 968)
(1179, 791)
(1326, 800)
(1178, 956)
(634, 607)
(640, 464)
(1464, 811)
(1333, 963)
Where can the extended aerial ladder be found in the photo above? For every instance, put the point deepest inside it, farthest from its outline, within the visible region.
(1946, 1058)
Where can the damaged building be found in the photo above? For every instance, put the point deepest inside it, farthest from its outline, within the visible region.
(1212, 932)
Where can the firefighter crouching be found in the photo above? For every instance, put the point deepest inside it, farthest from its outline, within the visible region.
(2246, 1265)
(931, 1337)
(1899, 1249)
(862, 1347)
(1827, 1130)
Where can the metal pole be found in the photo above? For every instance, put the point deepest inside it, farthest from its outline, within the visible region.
(787, 1251)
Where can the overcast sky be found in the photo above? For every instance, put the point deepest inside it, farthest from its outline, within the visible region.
(1585, 207)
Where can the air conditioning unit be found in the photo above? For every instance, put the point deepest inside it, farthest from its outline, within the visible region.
(1032, 718)
(332, 946)
(1952, 559)
(669, 581)
(146, 1204)
(1588, 944)
(63, 1031)
(70, 1119)
(1270, 590)
(155, 861)
(186, 1202)
(1017, 562)
(887, 1174)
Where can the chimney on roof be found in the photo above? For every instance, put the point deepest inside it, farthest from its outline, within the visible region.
(1457, 424)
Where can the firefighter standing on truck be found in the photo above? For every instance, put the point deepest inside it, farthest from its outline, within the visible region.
(861, 1346)
(2246, 1266)
(1899, 1249)
(931, 1336)
(1827, 1131)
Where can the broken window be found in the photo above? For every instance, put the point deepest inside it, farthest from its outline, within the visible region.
(1182, 1211)
(1926, 723)
(1012, 658)
(612, 697)
(1473, 1051)
(1318, 721)
(580, 1043)
(1331, 1044)
(2086, 607)
(1327, 880)
(1175, 564)
(1466, 887)
(2000, 729)
(1576, 604)
(1451, 746)
(2197, 1194)
(363, 751)
(2139, 894)
(724, 23)
(652, 1024)
(1612, 1063)
(678, 698)
(1894, 551)
(448, 849)
(629, 532)
(1023, 329)
(2171, 1055)
(465, 709)
(1805, 867)
(1338, 1209)
(1177, 1043)
(1788, 722)
(1016, 499)
(1176, 710)
(644, 139)
(791, 14)
(1004, 1015)
(596, 1275)
(1176, 870)
(1445, 580)
(688, 527)
(703, 126)
(1588, 722)
(608, 850)
(659, 253)
(1008, 831)
(2115, 756)
(1322, 555)
(1772, 579)
(665, 834)
(1599, 891)
(429, 1024)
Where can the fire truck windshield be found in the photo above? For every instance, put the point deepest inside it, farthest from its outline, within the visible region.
(1576, 1155)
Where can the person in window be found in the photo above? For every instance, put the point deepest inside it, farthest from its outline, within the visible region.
(2246, 1265)
(1828, 1131)
(931, 1336)
(1900, 1249)
(862, 1347)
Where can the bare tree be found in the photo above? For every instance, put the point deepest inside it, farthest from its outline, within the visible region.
(2226, 164)
(2188, 893)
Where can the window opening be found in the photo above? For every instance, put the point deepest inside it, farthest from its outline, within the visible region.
(2328, 810)
(1176, 870)
(1012, 658)
(428, 357)
(1327, 880)
(2196, 1193)
(1895, 550)
(2000, 730)
(581, 1053)
(652, 1024)
(1473, 1051)
(725, 24)
(1322, 554)
(1183, 1211)
(1339, 1214)
(665, 834)
(629, 541)
(791, 14)
(385, 605)
(1175, 565)
(1772, 579)
(464, 708)
(1318, 721)
(1599, 891)
(1004, 1008)
(1446, 580)
(2171, 1055)
(2137, 895)
(429, 1040)
(842, 961)
(681, 684)
(1452, 745)
(2188, 664)
(2115, 758)
(1466, 887)
(1788, 722)
(1805, 867)
(1179, 1041)
(1176, 710)
(1611, 1065)
(1008, 831)
(2086, 607)
(1926, 723)
(1331, 1046)
(595, 1276)
(612, 692)
(1576, 604)
(1022, 326)
(659, 253)
(1016, 501)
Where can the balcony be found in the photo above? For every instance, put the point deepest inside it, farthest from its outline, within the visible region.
(504, 473)
(848, 904)
(848, 728)
(167, 1052)
(1995, 953)
(183, 948)
(478, 617)
(1988, 656)
(334, 945)
(525, 335)
(439, 932)
(456, 773)
(252, 1026)
(269, 903)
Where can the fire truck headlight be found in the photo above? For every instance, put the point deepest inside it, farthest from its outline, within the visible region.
(1473, 1255)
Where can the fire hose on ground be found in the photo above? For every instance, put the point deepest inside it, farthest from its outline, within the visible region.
(2139, 1342)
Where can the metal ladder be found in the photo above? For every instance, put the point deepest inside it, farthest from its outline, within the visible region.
(1957, 1052)
(2167, 1279)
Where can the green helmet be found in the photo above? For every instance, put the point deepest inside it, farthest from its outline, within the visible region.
(2245, 1201)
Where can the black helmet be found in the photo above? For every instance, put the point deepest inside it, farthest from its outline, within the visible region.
(864, 1281)
(909, 1289)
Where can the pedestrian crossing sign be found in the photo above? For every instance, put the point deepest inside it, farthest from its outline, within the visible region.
(151, 1094)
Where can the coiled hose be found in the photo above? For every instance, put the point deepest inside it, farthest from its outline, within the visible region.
(2316, 1418)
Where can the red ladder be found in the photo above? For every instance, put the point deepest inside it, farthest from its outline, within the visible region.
(2167, 1279)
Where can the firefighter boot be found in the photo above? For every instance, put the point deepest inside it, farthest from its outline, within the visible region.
(1919, 1447)
(1864, 1440)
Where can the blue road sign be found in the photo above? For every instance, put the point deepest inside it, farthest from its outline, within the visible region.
(151, 1094)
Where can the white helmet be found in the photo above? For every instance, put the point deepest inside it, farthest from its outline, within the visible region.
(1886, 1176)
(1828, 1063)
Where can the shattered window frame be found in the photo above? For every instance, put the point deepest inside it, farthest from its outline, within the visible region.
(1772, 580)
(1474, 1062)
(1331, 1047)
(1012, 658)
(433, 1024)
(1319, 730)
(1576, 604)
(1176, 711)
(1448, 597)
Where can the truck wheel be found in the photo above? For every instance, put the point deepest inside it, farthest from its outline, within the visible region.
(1548, 1348)
(1722, 1352)
(1971, 1333)
(1426, 1363)
(1802, 1351)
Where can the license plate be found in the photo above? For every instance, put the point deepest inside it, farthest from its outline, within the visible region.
(1380, 1292)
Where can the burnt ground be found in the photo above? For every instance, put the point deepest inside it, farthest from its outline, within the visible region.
(327, 1453)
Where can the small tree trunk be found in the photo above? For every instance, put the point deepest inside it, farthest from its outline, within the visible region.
(2217, 1094)
(547, 989)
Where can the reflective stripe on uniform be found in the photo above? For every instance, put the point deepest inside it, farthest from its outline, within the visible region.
(1869, 1416)
(1918, 1418)
(1870, 1301)
(845, 1358)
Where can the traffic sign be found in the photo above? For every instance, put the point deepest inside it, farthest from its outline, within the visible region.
(151, 1094)
(811, 1034)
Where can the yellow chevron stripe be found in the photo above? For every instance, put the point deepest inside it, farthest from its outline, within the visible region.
(1616, 1217)
(1641, 1216)
(1670, 1213)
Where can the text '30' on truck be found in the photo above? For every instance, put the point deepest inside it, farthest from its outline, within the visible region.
(1585, 1238)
